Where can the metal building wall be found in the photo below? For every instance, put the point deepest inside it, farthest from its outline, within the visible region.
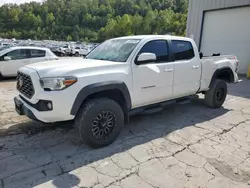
(196, 9)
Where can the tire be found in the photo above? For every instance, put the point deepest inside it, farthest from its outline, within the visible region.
(96, 115)
(77, 54)
(1, 76)
(216, 95)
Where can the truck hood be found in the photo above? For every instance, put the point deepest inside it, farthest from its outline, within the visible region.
(70, 66)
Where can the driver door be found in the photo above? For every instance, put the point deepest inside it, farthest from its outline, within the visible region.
(18, 59)
(153, 82)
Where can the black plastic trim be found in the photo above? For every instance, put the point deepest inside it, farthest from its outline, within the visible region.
(217, 72)
(29, 113)
(26, 111)
(98, 87)
(1, 76)
(41, 105)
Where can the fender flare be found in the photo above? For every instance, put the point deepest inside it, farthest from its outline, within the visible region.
(98, 87)
(1, 76)
(217, 72)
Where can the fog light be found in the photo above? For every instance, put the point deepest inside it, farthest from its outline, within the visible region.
(49, 105)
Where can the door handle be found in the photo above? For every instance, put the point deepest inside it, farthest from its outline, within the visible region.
(169, 70)
(196, 66)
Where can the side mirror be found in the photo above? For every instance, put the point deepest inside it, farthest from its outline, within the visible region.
(7, 58)
(145, 58)
(201, 55)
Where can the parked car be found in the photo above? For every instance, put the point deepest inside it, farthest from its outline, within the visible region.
(66, 49)
(79, 51)
(13, 58)
(57, 51)
(120, 77)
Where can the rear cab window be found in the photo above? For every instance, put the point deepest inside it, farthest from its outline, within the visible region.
(37, 53)
(182, 50)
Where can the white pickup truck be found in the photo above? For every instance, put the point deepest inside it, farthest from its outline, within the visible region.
(119, 77)
(79, 51)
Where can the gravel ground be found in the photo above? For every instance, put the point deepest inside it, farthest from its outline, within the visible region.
(186, 145)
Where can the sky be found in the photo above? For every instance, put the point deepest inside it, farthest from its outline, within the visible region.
(16, 1)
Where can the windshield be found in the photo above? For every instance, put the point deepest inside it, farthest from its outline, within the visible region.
(114, 50)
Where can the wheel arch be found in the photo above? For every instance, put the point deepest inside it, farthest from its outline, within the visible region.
(1, 75)
(114, 90)
(225, 74)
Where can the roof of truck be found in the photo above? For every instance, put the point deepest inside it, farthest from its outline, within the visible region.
(154, 37)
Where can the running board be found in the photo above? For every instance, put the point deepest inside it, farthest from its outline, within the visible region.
(160, 106)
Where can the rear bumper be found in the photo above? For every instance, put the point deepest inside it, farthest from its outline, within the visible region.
(236, 77)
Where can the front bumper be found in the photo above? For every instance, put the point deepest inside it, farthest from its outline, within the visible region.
(21, 109)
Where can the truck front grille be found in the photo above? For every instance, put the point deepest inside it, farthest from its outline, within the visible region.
(25, 85)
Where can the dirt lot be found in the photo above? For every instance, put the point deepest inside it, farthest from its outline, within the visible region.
(185, 145)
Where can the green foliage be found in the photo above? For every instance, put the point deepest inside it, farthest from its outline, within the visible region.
(92, 20)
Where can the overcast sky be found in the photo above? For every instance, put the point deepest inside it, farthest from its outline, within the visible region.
(16, 1)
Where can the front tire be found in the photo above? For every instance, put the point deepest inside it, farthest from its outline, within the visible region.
(1, 76)
(99, 122)
(216, 95)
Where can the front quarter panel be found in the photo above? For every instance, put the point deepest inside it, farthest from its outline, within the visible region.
(103, 78)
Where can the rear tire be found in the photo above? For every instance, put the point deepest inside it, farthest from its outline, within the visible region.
(216, 95)
(99, 122)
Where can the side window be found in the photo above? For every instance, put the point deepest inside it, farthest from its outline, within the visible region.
(183, 50)
(37, 53)
(159, 48)
(17, 54)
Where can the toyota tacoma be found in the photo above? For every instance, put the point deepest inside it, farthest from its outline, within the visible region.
(120, 77)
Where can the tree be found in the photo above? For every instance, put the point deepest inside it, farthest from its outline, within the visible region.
(69, 38)
(92, 20)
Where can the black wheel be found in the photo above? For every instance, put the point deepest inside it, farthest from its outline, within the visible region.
(1, 76)
(77, 54)
(216, 95)
(99, 122)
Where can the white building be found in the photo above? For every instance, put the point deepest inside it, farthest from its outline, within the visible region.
(221, 26)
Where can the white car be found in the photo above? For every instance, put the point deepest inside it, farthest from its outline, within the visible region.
(13, 58)
(66, 49)
(120, 77)
(79, 51)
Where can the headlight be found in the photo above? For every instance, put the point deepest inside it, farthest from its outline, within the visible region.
(55, 84)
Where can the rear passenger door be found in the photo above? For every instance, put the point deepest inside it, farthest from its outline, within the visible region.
(187, 69)
(153, 81)
(36, 55)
